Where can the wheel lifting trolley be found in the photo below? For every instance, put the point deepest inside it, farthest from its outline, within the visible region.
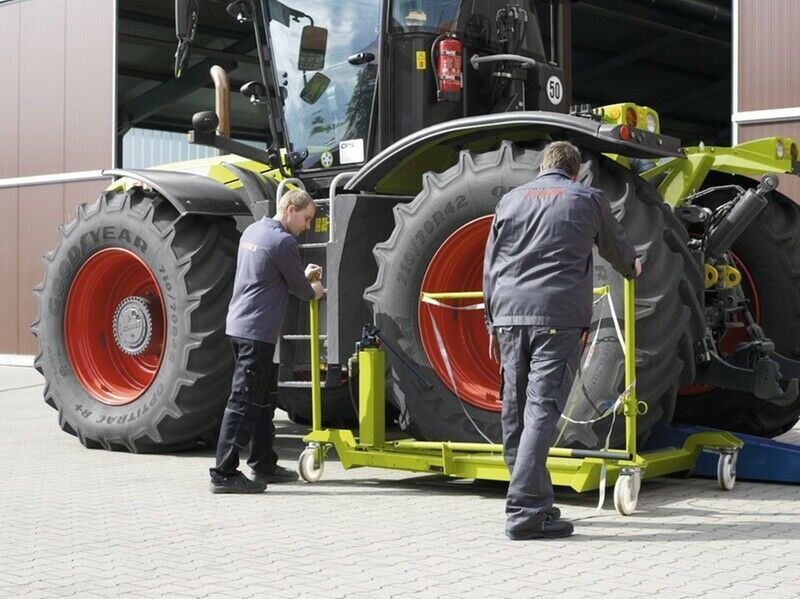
(580, 469)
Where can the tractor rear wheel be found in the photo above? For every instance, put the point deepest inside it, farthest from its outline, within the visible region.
(768, 254)
(437, 246)
(131, 324)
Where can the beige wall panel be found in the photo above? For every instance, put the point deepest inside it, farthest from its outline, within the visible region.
(790, 184)
(768, 73)
(40, 213)
(88, 102)
(8, 272)
(56, 115)
(41, 87)
(9, 165)
(9, 91)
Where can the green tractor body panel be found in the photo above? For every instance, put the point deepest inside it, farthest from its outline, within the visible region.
(399, 168)
(212, 168)
(685, 176)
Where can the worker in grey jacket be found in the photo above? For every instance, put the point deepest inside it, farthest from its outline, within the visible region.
(268, 268)
(537, 282)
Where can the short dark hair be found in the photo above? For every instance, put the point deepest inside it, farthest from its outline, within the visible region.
(562, 155)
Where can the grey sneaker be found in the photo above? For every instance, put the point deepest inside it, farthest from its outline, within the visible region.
(281, 475)
(238, 483)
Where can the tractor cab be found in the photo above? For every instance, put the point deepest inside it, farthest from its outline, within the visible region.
(343, 81)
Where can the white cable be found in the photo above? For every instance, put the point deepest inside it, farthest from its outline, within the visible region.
(616, 324)
(612, 409)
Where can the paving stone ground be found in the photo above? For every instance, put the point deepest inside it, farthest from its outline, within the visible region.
(92, 523)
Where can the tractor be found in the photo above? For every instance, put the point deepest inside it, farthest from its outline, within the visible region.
(407, 121)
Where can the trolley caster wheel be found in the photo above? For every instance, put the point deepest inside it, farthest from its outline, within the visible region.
(626, 491)
(726, 470)
(311, 464)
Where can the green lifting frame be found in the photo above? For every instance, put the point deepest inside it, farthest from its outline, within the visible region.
(579, 469)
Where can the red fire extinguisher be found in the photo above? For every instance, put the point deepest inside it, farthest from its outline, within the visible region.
(448, 68)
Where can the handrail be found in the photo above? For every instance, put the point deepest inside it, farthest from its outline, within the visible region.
(331, 195)
(282, 187)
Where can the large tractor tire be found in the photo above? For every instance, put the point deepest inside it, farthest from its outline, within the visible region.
(438, 246)
(131, 324)
(768, 254)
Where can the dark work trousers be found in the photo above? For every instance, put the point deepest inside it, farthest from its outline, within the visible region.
(538, 367)
(249, 412)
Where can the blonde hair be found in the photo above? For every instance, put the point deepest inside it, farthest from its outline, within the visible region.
(294, 197)
(562, 155)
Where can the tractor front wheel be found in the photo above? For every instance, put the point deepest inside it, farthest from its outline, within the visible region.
(131, 324)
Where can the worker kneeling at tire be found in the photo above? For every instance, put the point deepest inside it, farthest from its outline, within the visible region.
(537, 281)
(268, 267)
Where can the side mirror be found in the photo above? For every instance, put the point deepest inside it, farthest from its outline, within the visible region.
(186, 13)
(313, 46)
(255, 91)
(313, 90)
(241, 10)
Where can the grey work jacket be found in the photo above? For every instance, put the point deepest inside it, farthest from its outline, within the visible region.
(538, 267)
(268, 268)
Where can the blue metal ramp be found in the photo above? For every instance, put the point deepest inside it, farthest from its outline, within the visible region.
(760, 459)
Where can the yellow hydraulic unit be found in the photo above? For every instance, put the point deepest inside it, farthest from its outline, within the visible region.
(579, 469)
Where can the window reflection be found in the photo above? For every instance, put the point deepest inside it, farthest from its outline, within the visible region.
(328, 100)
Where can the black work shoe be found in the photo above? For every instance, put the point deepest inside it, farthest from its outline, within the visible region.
(281, 475)
(237, 483)
(548, 529)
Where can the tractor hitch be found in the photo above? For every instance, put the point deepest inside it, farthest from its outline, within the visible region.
(755, 368)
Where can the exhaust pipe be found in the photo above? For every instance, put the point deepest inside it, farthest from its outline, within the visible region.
(222, 95)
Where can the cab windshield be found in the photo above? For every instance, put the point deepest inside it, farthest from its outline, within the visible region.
(327, 100)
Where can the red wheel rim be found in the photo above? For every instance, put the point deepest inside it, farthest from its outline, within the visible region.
(106, 280)
(458, 266)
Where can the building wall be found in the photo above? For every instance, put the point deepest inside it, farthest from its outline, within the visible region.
(767, 90)
(56, 116)
(143, 148)
(768, 54)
